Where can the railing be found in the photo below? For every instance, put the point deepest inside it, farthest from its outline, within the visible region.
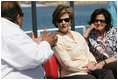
(55, 29)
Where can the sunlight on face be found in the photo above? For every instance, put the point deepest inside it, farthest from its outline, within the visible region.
(64, 23)
(100, 22)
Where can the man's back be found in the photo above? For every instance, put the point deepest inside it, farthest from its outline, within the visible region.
(18, 59)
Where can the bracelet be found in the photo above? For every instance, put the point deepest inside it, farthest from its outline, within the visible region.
(93, 63)
(105, 62)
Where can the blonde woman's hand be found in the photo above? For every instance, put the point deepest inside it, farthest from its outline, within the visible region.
(90, 67)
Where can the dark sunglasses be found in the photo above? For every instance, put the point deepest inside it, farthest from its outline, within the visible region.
(66, 20)
(98, 20)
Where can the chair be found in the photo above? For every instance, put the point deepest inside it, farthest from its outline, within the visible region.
(51, 68)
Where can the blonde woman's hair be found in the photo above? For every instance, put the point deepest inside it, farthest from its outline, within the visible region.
(61, 10)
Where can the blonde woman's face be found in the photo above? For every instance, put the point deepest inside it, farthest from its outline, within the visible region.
(64, 23)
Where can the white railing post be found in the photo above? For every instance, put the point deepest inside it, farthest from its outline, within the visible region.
(84, 29)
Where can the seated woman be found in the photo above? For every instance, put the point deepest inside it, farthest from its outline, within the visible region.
(102, 40)
(72, 50)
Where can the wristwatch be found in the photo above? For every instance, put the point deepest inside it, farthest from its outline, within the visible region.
(105, 62)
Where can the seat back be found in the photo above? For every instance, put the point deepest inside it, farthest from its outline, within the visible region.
(51, 68)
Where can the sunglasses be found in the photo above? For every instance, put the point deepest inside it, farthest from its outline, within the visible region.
(98, 20)
(66, 20)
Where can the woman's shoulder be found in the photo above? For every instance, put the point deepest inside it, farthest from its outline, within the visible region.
(60, 37)
(75, 32)
(112, 30)
(59, 34)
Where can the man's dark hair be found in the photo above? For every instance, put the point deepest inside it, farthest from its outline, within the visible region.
(10, 10)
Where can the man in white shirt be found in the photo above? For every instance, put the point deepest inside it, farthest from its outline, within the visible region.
(21, 57)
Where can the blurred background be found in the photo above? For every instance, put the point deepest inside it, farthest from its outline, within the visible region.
(45, 9)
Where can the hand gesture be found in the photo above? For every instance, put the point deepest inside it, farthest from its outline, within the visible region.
(92, 26)
(51, 39)
(37, 40)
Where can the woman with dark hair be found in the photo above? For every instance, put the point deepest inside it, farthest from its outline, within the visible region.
(102, 40)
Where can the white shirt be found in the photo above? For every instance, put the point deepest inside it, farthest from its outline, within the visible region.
(21, 58)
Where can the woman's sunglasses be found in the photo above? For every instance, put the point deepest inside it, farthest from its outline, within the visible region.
(65, 19)
(99, 20)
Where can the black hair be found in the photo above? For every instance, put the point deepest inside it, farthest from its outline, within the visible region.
(105, 13)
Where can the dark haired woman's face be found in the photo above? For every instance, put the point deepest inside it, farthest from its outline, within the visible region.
(100, 23)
